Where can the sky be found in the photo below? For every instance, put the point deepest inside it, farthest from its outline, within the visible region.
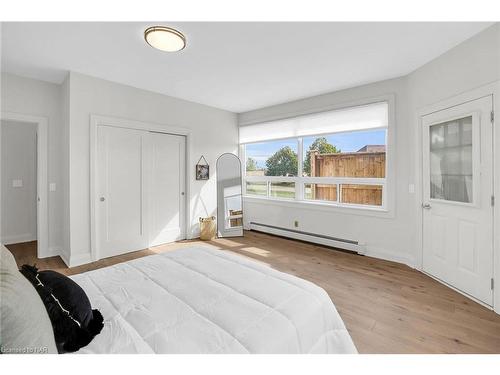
(347, 142)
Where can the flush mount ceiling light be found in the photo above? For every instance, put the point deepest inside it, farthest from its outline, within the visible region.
(165, 38)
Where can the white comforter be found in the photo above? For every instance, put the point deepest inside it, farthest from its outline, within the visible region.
(203, 300)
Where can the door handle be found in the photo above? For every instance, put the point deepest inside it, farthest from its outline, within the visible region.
(427, 206)
(102, 199)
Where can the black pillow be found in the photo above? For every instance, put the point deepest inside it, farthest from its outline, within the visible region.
(74, 322)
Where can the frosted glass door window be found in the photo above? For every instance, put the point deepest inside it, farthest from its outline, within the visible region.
(451, 171)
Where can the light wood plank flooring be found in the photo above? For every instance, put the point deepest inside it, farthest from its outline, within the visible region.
(387, 307)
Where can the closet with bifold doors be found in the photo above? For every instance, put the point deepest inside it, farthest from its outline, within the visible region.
(139, 189)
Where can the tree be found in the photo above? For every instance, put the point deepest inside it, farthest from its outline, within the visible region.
(284, 162)
(323, 147)
(251, 164)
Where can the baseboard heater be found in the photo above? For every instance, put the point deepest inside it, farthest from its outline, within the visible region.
(342, 243)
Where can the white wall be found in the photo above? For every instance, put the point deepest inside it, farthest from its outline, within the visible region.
(471, 64)
(32, 97)
(18, 162)
(213, 132)
(68, 108)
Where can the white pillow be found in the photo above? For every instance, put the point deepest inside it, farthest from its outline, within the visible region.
(24, 323)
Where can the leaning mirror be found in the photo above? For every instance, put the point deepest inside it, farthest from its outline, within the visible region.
(229, 203)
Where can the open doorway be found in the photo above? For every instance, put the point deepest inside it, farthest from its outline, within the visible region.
(24, 218)
(19, 186)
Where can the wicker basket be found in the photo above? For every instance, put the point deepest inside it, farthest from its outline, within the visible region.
(207, 228)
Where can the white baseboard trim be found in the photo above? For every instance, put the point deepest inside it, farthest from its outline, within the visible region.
(79, 259)
(308, 237)
(194, 234)
(65, 258)
(378, 253)
(53, 251)
(18, 238)
(75, 260)
(192, 231)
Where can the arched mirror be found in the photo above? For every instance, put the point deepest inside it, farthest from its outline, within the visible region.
(229, 202)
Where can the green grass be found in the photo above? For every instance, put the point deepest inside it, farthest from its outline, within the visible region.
(257, 188)
(283, 194)
(278, 190)
(283, 190)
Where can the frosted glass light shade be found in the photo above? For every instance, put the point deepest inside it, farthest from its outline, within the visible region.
(165, 38)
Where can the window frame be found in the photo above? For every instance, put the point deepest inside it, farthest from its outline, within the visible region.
(387, 183)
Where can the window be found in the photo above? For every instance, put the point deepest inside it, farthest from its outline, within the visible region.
(256, 188)
(336, 157)
(320, 192)
(451, 160)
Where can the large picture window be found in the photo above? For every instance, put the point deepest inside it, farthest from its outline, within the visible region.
(343, 163)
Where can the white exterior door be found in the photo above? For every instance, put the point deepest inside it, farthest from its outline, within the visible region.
(457, 197)
(140, 189)
(166, 194)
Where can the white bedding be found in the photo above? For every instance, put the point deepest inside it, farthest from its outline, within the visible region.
(202, 300)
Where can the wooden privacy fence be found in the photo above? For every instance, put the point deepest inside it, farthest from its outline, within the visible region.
(349, 164)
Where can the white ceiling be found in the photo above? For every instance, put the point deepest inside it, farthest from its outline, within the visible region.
(233, 66)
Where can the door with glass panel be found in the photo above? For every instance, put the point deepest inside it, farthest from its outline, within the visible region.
(457, 197)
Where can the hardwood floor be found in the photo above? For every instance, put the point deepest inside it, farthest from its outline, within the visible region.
(387, 307)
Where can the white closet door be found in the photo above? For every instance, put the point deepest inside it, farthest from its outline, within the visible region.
(166, 188)
(120, 212)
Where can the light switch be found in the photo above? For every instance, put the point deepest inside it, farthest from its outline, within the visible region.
(411, 188)
(52, 186)
(17, 183)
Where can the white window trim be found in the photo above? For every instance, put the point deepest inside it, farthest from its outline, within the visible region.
(388, 183)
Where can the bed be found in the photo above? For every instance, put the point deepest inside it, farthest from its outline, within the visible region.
(203, 300)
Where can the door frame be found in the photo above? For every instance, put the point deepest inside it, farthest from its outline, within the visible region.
(42, 211)
(493, 90)
(98, 120)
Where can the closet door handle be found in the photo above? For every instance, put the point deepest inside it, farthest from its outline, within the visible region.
(102, 199)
